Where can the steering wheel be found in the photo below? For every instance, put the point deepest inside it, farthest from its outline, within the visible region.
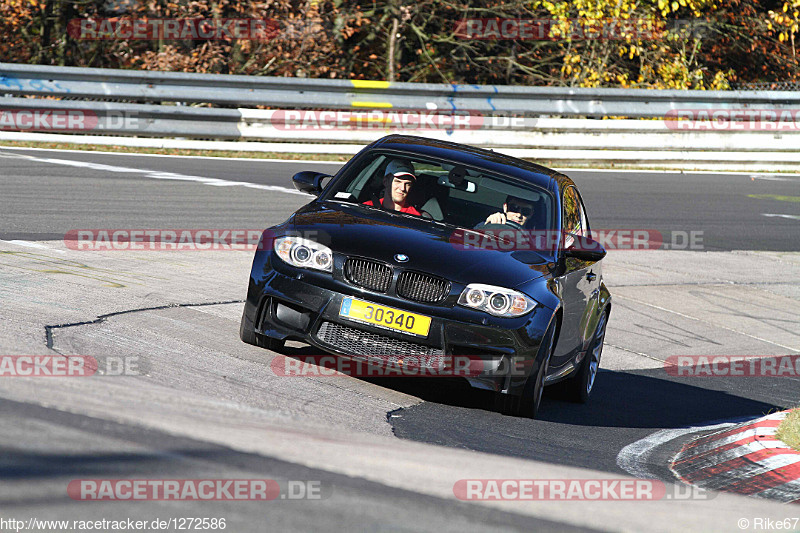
(508, 225)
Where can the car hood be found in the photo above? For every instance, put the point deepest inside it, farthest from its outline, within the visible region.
(356, 230)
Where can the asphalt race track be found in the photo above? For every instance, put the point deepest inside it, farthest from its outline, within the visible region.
(740, 211)
(197, 403)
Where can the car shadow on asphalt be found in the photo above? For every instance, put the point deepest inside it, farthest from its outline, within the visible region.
(653, 399)
(636, 399)
(632, 399)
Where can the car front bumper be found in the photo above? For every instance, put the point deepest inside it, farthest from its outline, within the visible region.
(284, 302)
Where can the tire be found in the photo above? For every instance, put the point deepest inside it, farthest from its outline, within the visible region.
(527, 405)
(269, 343)
(251, 337)
(578, 389)
(506, 404)
(247, 335)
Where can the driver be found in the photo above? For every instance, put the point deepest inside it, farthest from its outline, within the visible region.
(516, 211)
(397, 183)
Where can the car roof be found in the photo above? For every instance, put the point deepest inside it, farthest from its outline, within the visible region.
(471, 156)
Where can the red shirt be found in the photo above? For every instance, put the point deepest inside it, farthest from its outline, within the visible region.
(410, 209)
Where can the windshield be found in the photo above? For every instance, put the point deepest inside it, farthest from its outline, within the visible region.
(445, 192)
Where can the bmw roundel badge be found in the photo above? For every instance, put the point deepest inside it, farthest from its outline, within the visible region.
(401, 258)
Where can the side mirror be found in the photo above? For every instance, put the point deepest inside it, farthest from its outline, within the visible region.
(583, 248)
(309, 181)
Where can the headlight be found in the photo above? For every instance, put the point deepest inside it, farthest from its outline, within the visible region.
(304, 253)
(496, 300)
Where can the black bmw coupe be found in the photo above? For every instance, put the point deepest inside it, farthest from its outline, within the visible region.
(421, 252)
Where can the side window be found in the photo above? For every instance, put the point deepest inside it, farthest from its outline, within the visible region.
(574, 218)
(584, 220)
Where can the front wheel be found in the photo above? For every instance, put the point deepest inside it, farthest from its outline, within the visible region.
(579, 388)
(528, 404)
(251, 337)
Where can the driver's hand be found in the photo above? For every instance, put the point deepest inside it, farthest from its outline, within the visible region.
(496, 218)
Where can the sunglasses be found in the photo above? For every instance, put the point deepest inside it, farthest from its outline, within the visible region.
(524, 210)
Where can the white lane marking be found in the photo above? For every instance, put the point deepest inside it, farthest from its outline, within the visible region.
(732, 173)
(773, 215)
(28, 244)
(99, 152)
(634, 457)
(309, 161)
(768, 178)
(156, 174)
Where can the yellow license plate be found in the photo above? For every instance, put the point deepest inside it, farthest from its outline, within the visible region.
(385, 317)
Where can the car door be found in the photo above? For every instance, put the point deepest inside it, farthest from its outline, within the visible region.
(579, 281)
(594, 277)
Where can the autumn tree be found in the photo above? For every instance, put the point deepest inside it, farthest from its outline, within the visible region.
(680, 44)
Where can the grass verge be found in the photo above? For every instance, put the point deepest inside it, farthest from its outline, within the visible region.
(789, 430)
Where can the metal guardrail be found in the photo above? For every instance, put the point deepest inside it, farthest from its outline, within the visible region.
(145, 108)
(148, 120)
(112, 118)
(249, 91)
